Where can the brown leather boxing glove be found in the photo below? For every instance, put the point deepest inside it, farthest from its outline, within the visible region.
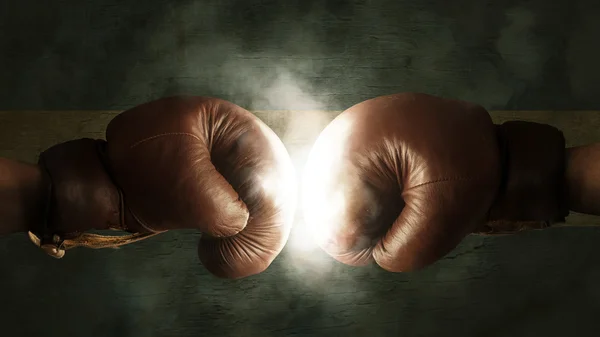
(402, 179)
(175, 163)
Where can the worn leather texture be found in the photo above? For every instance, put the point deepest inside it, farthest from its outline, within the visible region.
(402, 179)
(180, 163)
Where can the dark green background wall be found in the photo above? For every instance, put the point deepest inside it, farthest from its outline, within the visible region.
(113, 54)
(298, 55)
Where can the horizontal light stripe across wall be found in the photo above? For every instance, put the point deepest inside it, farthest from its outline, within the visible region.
(43, 126)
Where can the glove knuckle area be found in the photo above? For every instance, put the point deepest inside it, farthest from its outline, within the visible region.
(259, 168)
(210, 165)
(352, 189)
(161, 156)
(412, 167)
(83, 196)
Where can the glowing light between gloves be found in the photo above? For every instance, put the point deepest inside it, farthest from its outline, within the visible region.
(322, 198)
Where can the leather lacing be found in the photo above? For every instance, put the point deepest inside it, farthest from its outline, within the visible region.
(57, 246)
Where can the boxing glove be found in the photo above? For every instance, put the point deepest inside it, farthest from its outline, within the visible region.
(174, 163)
(402, 179)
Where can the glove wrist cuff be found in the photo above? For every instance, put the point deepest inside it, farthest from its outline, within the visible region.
(531, 193)
(82, 196)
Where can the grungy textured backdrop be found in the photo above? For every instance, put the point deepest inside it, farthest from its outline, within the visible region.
(66, 68)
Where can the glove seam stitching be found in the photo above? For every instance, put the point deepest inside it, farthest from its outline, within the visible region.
(439, 181)
(139, 142)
